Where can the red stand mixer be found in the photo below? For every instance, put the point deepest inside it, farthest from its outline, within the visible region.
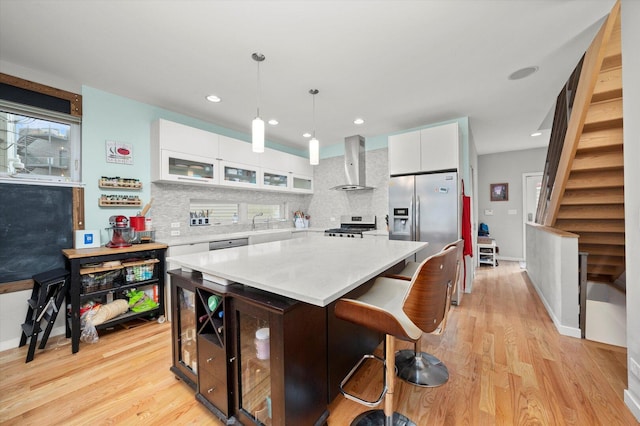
(120, 234)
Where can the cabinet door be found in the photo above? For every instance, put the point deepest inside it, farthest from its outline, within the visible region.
(253, 352)
(180, 138)
(404, 153)
(439, 148)
(274, 179)
(236, 174)
(187, 168)
(185, 346)
(301, 183)
(299, 165)
(237, 151)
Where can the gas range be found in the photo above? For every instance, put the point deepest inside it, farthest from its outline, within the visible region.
(352, 226)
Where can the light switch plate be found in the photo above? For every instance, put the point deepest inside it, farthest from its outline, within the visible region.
(512, 211)
(175, 233)
(175, 224)
(488, 212)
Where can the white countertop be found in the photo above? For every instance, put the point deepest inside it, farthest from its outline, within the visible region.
(313, 270)
(205, 238)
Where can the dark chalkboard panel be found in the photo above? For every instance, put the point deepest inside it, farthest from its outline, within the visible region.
(36, 223)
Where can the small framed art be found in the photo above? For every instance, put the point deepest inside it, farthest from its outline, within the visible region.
(499, 192)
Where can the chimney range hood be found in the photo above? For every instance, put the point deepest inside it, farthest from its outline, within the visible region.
(354, 165)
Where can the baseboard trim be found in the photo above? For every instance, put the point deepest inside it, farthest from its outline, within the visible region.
(632, 403)
(14, 343)
(562, 329)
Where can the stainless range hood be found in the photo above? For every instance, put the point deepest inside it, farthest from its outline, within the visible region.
(354, 165)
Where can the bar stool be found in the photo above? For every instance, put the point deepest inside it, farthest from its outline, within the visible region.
(401, 309)
(417, 367)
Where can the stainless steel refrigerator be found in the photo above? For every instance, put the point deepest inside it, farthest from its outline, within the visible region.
(425, 207)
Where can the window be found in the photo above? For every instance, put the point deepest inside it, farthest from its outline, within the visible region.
(272, 211)
(39, 144)
(218, 213)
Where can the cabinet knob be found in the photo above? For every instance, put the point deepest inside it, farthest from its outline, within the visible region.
(210, 390)
(210, 359)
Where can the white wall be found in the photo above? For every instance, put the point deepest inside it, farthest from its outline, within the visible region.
(631, 107)
(552, 267)
(506, 167)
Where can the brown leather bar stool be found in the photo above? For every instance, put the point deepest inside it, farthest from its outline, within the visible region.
(401, 309)
(415, 366)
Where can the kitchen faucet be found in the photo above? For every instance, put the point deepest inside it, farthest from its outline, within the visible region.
(253, 221)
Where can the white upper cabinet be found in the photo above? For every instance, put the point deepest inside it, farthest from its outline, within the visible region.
(297, 169)
(237, 151)
(404, 153)
(426, 150)
(439, 148)
(180, 138)
(184, 154)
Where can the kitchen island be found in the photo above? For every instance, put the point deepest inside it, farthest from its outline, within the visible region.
(290, 288)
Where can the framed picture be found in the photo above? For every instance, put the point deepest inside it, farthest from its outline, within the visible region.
(499, 192)
(118, 152)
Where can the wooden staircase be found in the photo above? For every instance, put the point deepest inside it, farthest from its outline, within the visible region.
(587, 195)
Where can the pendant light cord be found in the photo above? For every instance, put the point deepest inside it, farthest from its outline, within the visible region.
(258, 80)
(314, 115)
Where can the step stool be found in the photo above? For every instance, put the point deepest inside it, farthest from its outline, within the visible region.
(49, 291)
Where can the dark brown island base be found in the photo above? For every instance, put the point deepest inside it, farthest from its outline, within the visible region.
(287, 377)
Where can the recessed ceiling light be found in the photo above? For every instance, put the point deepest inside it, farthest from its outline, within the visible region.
(358, 121)
(306, 135)
(213, 98)
(536, 134)
(273, 122)
(523, 73)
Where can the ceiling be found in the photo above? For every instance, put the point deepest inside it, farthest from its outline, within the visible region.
(396, 64)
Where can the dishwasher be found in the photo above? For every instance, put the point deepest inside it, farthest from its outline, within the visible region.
(223, 244)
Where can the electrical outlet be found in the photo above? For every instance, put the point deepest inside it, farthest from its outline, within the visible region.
(175, 224)
(175, 233)
(634, 367)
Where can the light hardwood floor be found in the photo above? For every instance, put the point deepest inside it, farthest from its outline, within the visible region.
(507, 363)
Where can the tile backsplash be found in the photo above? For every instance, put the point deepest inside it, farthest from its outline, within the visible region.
(171, 202)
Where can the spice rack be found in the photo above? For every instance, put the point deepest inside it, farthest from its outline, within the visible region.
(119, 183)
(119, 200)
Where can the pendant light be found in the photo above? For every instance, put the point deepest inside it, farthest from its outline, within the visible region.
(257, 125)
(314, 145)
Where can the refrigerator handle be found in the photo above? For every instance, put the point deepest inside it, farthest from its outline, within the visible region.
(417, 219)
(412, 224)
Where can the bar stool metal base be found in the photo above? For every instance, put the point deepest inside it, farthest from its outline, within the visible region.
(377, 418)
(421, 368)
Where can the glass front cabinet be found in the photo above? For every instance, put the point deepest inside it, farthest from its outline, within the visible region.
(242, 175)
(253, 351)
(183, 328)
